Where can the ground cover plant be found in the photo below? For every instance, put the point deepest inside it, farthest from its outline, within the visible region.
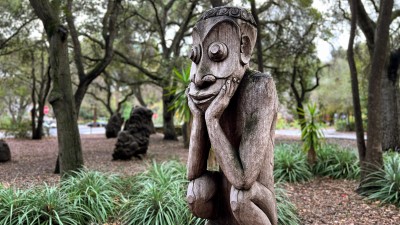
(384, 184)
(336, 162)
(332, 161)
(154, 197)
(291, 164)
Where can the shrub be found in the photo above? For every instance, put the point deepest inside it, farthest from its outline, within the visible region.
(311, 132)
(11, 203)
(97, 194)
(337, 163)
(290, 164)
(18, 130)
(287, 212)
(384, 184)
(344, 125)
(47, 205)
(158, 197)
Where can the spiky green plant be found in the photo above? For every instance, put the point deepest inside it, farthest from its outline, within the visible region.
(287, 212)
(95, 193)
(337, 163)
(47, 205)
(290, 164)
(182, 80)
(384, 184)
(11, 206)
(159, 197)
(311, 132)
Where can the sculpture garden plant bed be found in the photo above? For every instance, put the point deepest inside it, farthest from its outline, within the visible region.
(319, 201)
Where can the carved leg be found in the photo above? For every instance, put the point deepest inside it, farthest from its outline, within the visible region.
(255, 206)
(200, 195)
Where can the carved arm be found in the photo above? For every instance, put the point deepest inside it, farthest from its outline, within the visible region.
(242, 166)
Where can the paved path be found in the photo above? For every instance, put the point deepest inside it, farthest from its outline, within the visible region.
(328, 133)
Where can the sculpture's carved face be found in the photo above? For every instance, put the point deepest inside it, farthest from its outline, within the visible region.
(217, 55)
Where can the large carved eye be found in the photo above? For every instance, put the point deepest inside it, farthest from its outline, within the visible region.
(217, 51)
(195, 54)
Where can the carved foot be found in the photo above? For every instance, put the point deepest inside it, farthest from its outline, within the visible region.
(255, 206)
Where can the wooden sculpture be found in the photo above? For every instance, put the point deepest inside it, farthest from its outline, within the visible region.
(234, 113)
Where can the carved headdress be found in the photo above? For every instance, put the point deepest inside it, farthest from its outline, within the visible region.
(235, 12)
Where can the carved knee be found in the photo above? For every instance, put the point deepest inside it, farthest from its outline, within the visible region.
(200, 195)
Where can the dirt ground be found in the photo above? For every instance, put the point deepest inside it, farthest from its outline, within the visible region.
(320, 201)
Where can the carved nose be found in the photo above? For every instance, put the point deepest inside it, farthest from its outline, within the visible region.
(204, 81)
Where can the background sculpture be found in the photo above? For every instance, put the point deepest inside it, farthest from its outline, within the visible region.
(114, 125)
(5, 153)
(234, 112)
(134, 139)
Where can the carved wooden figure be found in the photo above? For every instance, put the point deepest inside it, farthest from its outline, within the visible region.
(234, 112)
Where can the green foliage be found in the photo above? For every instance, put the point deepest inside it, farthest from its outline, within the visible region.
(343, 125)
(96, 193)
(179, 90)
(158, 197)
(11, 206)
(311, 132)
(337, 163)
(287, 212)
(384, 184)
(290, 164)
(48, 205)
(18, 130)
(283, 124)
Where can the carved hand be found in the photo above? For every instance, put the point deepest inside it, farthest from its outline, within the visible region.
(219, 104)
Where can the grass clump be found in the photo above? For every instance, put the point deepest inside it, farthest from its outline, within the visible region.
(287, 212)
(97, 194)
(337, 163)
(47, 205)
(11, 205)
(155, 197)
(384, 184)
(290, 164)
(158, 197)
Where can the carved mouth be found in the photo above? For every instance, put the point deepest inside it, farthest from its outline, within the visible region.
(203, 99)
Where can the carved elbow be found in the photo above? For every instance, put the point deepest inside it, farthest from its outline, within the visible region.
(247, 184)
(243, 184)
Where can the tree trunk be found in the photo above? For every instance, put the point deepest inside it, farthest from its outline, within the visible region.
(260, 60)
(311, 156)
(390, 107)
(168, 116)
(33, 96)
(373, 157)
(300, 113)
(61, 97)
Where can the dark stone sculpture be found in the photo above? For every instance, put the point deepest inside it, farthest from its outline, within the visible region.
(5, 153)
(134, 139)
(114, 125)
(234, 112)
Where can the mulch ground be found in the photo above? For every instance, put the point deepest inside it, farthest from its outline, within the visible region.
(320, 201)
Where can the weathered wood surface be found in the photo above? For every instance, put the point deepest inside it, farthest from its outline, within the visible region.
(234, 111)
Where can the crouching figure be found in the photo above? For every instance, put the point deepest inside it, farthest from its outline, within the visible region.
(234, 113)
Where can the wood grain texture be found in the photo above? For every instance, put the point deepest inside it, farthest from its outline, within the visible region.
(234, 112)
